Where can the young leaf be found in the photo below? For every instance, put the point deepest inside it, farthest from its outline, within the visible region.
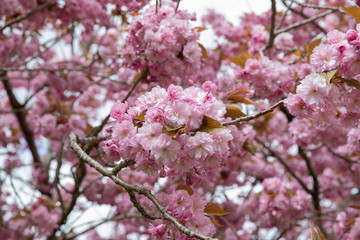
(355, 207)
(200, 29)
(352, 11)
(203, 51)
(316, 234)
(240, 60)
(239, 99)
(210, 125)
(234, 111)
(236, 92)
(173, 132)
(352, 83)
(140, 117)
(329, 75)
(214, 209)
(189, 190)
(250, 146)
(213, 221)
(313, 44)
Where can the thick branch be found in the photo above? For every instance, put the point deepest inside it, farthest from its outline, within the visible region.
(21, 117)
(95, 131)
(128, 187)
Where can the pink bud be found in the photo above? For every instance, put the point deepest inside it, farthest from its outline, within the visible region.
(352, 37)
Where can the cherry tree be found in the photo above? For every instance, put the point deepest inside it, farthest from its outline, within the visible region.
(117, 105)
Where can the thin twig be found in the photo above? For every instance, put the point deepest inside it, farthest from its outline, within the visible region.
(102, 158)
(252, 117)
(116, 218)
(121, 165)
(128, 187)
(177, 5)
(95, 131)
(306, 21)
(317, 6)
(315, 190)
(339, 156)
(287, 167)
(272, 28)
(284, 15)
(23, 17)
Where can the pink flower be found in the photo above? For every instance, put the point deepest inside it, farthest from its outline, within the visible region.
(192, 52)
(118, 110)
(158, 231)
(165, 149)
(352, 37)
(200, 146)
(325, 57)
(313, 90)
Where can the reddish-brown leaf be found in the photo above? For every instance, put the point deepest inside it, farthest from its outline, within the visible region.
(234, 111)
(210, 125)
(352, 11)
(214, 209)
(200, 29)
(173, 132)
(189, 190)
(239, 99)
(203, 51)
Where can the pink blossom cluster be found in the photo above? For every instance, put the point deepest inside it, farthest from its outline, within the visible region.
(340, 52)
(269, 79)
(165, 42)
(38, 221)
(162, 132)
(188, 209)
(278, 204)
(318, 98)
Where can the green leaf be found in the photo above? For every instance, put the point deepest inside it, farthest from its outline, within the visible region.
(214, 209)
(189, 190)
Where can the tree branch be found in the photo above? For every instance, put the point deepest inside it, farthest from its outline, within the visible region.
(23, 17)
(252, 117)
(128, 187)
(287, 167)
(306, 21)
(21, 117)
(315, 190)
(272, 28)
